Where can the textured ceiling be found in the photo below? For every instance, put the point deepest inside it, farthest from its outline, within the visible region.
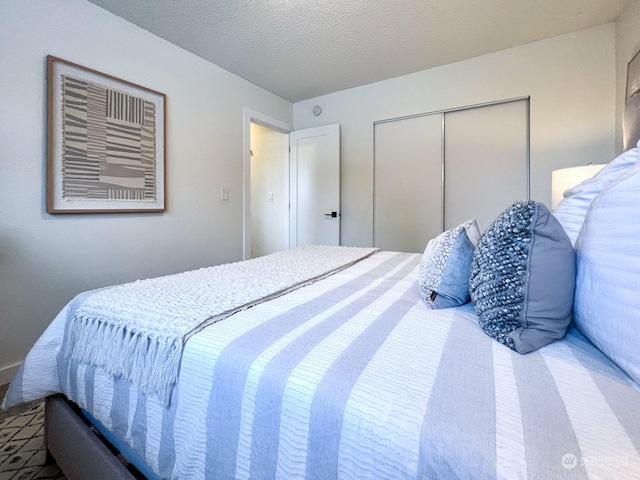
(299, 49)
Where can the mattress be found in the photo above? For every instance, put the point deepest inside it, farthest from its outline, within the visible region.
(353, 377)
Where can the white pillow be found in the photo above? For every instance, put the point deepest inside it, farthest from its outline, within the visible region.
(607, 298)
(573, 207)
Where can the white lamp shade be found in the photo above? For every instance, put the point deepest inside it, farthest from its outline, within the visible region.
(566, 178)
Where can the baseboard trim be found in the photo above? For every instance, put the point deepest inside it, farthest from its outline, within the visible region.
(7, 373)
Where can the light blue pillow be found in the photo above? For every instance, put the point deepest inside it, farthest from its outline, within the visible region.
(607, 299)
(443, 279)
(572, 209)
(523, 277)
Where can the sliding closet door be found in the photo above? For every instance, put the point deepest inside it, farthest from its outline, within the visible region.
(486, 161)
(479, 154)
(407, 183)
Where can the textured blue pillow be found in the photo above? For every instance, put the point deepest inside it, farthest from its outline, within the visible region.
(523, 278)
(443, 279)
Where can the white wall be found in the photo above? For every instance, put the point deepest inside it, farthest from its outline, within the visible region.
(267, 177)
(627, 45)
(571, 82)
(46, 259)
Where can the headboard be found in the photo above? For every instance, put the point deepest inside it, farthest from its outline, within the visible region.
(631, 119)
(631, 122)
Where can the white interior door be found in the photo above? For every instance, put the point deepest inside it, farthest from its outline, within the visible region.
(314, 169)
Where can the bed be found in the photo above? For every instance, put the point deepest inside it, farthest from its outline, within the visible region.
(511, 354)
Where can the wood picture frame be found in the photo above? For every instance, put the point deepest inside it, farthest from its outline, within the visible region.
(106, 142)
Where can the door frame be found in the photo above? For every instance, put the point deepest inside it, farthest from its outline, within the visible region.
(252, 116)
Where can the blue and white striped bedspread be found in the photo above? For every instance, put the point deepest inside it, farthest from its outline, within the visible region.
(353, 378)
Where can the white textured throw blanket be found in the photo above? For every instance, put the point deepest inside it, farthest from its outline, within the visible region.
(136, 331)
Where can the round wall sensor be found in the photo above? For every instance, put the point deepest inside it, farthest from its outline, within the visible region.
(317, 110)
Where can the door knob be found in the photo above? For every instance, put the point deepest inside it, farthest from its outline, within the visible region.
(332, 214)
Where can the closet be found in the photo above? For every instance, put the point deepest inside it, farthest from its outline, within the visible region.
(436, 170)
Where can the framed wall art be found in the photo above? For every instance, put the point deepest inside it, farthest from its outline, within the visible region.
(105, 142)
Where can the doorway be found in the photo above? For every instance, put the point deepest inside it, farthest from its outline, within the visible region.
(291, 185)
(268, 187)
(265, 158)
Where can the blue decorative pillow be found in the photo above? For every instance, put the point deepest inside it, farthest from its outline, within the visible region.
(523, 278)
(444, 270)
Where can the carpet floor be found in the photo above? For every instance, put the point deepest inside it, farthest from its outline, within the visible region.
(22, 452)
